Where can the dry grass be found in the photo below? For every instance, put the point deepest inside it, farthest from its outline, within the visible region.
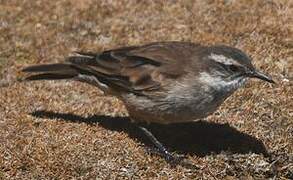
(65, 130)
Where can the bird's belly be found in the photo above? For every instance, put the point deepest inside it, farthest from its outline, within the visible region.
(166, 111)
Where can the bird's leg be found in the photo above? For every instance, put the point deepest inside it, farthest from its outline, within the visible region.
(161, 149)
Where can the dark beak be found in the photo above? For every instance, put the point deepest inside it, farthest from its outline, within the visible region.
(259, 75)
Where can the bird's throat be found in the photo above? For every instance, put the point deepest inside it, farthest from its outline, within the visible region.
(220, 84)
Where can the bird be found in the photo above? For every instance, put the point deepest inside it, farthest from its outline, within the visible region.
(160, 82)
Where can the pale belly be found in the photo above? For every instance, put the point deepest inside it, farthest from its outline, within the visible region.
(170, 110)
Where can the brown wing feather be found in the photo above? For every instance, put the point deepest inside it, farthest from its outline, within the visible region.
(139, 69)
(174, 56)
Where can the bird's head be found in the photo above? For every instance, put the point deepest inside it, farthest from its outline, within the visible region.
(229, 67)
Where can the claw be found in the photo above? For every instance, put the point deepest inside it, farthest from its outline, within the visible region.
(173, 160)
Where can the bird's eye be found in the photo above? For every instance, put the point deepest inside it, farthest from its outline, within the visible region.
(233, 68)
(230, 67)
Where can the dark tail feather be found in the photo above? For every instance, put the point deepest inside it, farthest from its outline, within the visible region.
(49, 77)
(47, 68)
(50, 72)
(71, 68)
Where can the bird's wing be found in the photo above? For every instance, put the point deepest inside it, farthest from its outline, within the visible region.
(138, 68)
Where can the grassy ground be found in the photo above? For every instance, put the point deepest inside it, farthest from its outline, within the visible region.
(63, 130)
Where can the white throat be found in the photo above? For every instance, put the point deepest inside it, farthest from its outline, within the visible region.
(220, 84)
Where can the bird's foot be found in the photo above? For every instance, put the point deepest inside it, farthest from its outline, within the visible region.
(172, 158)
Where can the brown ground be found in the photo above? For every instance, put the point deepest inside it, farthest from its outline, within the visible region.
(65, 130)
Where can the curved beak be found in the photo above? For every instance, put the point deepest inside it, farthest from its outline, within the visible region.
(262, 76)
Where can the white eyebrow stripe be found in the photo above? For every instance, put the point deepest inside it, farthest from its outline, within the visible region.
(221, 59)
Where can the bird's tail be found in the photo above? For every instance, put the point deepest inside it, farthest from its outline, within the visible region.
(71, 68)
(50, 72)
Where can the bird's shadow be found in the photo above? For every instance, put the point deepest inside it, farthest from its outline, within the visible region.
(196, 138)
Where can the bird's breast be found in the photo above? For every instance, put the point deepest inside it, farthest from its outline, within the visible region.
(181, 103)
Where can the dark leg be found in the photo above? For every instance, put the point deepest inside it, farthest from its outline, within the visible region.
(170, 158)
(161, 149)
